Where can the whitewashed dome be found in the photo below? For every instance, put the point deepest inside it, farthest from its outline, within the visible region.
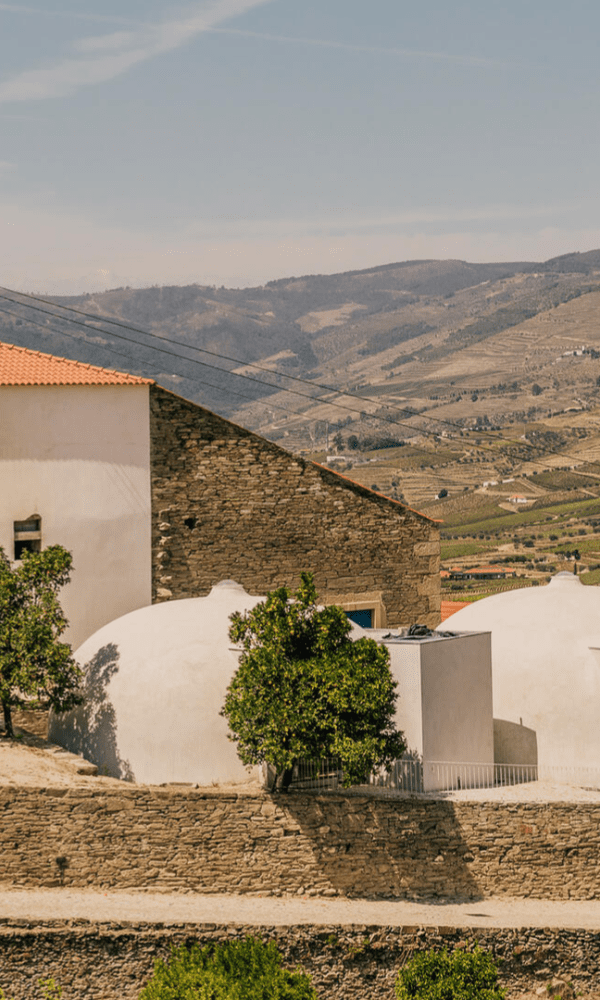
(155, 682)
(545, 665)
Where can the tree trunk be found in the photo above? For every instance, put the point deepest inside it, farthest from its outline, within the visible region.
(8, 726)
(284, 781)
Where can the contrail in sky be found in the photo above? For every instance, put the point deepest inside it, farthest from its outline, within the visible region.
(350, 47)
(107, 56)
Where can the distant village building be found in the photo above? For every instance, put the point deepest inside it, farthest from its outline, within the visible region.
(159, 498)
(517, 498)
(450, 608)
(478, 573)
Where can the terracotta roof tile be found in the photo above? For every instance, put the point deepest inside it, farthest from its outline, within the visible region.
(450, 607)
(20, 366)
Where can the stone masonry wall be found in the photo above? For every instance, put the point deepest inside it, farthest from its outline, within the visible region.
(330, 844)
(227, 504)
(113, 962)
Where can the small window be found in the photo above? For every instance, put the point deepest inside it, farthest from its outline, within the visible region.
(28, 535)
(363, 617)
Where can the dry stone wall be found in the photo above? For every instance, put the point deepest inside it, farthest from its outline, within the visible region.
(113, 962)
(227, 504)
(330, 844)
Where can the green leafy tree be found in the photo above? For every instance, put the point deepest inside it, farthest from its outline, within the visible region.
(234, 970)
(35, 667)
(305, 691)
(459, 975)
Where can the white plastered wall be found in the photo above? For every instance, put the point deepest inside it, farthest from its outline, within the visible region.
(444, 705)
(79, 456)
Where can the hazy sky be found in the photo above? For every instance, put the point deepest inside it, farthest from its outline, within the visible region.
(234, 141)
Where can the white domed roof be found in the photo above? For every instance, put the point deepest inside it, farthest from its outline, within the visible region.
(545, 664)
(155, 682)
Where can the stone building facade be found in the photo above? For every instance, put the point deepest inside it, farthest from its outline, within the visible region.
(158, 498)
(228, 504)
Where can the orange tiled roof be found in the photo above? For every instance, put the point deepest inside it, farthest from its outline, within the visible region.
(449, 608)
(20, 366)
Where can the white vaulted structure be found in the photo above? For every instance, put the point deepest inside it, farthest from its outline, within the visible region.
(155, 683)
(546, 672)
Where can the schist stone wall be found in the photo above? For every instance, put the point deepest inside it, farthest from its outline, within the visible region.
(227, 504)
(331, 845)
(114, 961)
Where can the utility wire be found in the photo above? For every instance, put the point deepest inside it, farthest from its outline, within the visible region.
(492, 435)
(192, 378)
(206, 364)
(316, 399)
(247, 364)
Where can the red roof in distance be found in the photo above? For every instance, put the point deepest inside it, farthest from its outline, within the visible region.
(21, 366)
(450, 607)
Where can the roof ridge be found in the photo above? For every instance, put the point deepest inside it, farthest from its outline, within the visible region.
(383, 496)
(27, 366)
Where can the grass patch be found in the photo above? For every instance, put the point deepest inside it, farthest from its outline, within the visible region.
(591, 579)
(487, 511)
(453, 550)
(579, 542)
(532, 517)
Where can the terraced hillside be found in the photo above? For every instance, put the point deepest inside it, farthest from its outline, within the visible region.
(416, 378)
(423, 335)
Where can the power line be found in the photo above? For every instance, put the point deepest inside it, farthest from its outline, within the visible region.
(206, 364)
(192, 378)
(382, 418)
(491, 435)
(224, 357)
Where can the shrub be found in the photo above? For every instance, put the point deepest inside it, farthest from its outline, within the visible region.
(305, 691)
(235, 970)
(460, 975)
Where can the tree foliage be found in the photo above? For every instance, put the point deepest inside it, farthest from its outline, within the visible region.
(234, 970)
(305, 691)
(35, 667)
(459, 975)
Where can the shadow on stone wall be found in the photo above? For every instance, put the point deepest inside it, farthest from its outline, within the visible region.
(380, 848)
(91, 729)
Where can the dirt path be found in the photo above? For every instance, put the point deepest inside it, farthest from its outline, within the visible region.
(69, 904)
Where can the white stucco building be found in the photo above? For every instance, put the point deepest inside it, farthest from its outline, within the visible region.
(444, 705)
(546, 672)
(75, 471)
(155, 683)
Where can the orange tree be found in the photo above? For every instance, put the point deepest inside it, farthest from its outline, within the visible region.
(35, 667)
(305, 691)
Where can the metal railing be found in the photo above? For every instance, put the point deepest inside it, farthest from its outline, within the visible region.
(416, 776)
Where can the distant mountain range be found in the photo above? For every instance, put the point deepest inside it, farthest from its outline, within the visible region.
(425, 335)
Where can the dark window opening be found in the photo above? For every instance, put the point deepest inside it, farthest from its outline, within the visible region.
(362, 617)
(33, 545)
(190, 522)
(28, 535)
